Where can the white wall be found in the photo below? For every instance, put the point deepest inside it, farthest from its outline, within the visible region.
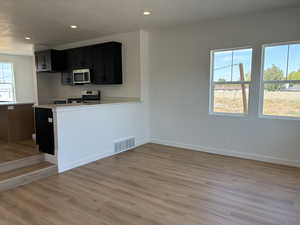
(179, 64)
(50, 87)
(88, 134)
(23, 72)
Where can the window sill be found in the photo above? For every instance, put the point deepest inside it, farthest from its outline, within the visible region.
(239, 115)
(279, 117)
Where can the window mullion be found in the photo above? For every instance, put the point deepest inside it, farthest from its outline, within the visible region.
(280, 81)
(232, 82)
(232, 64)
(287, 63)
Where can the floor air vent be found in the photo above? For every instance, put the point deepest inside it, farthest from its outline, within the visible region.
(125, 144)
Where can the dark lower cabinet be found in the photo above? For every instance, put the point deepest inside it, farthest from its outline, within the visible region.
(44, 130)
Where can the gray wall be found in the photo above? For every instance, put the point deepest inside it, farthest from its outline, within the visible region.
(24, 76)
(179, 65)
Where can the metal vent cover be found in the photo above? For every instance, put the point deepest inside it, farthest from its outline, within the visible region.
(124, 144)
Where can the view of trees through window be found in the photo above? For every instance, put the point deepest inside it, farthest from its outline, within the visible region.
(231, 81)
(6, 82)
(281, 80)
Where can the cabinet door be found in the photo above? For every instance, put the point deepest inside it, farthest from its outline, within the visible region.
(78, 58)
(113, 64)
(43, 61)
(85, 57)
(108, 64)
(37, 62)
(98, 72)
(68, 61)
(75, 57)
(47, 66)
(44, 130)
(40, 61)
(57, 61)
(21, 122)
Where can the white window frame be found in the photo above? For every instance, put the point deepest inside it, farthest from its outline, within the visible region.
(211, 83)
(262, 82)
(13, 80)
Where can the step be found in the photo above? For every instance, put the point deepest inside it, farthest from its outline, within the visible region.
(19, 163)
(25, 175)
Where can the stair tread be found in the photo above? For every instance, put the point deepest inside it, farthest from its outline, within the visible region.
(24, 170)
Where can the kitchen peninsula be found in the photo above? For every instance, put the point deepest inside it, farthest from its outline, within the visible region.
(75, 131)
(76, 134)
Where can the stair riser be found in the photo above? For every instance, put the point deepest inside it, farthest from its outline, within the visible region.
(27, 178)
(16, 164)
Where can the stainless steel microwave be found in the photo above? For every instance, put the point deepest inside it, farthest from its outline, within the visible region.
(81, 76)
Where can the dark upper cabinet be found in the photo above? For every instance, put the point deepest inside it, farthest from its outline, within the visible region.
(107, 61)
(78, 58)
(98, 73)
(49, 61)
(103, 60)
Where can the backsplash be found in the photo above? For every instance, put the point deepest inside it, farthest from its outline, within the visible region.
(50, 88)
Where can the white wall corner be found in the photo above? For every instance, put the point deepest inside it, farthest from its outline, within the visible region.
(144, 71)
(34, 79)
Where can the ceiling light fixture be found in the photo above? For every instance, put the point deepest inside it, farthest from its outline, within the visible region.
(27, 38)
(73, 26)
(147, 13)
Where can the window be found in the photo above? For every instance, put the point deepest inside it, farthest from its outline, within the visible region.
(280, 87)
(230, 81)
(7, 89)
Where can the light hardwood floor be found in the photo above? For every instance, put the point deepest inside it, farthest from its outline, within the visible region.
(160, 185)
(17, 150)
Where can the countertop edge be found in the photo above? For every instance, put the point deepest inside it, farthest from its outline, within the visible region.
(62, 108)
(16, 103)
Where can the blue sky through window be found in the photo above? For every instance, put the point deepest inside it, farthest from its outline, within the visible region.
(226, 64)
(285, 57)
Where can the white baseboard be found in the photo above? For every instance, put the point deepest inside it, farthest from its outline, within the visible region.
(257, 157)
(95, 157)
(84, 161)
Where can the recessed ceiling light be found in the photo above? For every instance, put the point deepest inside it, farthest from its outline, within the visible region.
(73, 26)
(147, 13)
(27, 38)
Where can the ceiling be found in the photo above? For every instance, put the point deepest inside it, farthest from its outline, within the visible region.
(47, 21)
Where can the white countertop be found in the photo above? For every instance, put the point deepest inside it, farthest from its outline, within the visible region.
(103, 101)
(15, 103)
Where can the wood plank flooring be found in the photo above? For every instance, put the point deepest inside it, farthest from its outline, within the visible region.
(160, 185)
(17, 150)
